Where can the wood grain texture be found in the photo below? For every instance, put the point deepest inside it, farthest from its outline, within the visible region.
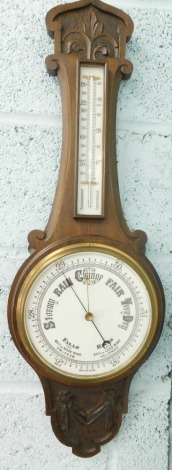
(84, 417)
(90, 32)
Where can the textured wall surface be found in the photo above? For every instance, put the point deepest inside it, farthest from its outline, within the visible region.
(30, 132)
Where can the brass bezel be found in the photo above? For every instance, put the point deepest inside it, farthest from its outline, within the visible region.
(49, 369)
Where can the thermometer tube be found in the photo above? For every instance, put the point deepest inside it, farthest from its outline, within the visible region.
(90, 142)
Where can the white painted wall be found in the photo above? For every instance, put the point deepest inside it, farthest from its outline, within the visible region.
(30, 127)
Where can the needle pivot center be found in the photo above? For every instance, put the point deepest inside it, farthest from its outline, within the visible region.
(89, 316)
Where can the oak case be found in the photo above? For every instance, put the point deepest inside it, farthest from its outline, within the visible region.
(86, 414)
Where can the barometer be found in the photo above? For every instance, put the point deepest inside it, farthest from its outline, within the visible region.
(86, 308)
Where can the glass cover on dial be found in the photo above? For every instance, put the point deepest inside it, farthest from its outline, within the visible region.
(87, 314)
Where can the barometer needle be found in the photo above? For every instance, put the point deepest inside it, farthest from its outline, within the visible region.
(98, 330)
(104, 341)
(76, 294)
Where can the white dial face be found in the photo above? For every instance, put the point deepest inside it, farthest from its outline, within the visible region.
(87, 314)
(90, 149)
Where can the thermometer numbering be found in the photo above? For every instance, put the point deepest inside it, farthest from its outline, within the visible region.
(90, 142)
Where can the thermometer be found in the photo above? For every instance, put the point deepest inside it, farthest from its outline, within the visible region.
(91, 140)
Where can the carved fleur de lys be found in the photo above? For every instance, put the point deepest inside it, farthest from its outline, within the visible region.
(91, 41)
(94, 27)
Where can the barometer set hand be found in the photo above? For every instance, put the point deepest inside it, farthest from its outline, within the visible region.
(89, 315)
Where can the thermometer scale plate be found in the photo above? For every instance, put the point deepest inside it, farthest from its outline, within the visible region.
(91, 140)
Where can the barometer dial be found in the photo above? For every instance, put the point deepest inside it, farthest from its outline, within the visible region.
(88, 313)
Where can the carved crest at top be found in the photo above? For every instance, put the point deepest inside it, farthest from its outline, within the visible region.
(91, 36)
(90, 30)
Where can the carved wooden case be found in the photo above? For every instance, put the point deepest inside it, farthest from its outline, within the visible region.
(85, 416)
(85, 32)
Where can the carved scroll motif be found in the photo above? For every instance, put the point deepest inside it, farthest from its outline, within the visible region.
(91, 37)
(90, 30)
